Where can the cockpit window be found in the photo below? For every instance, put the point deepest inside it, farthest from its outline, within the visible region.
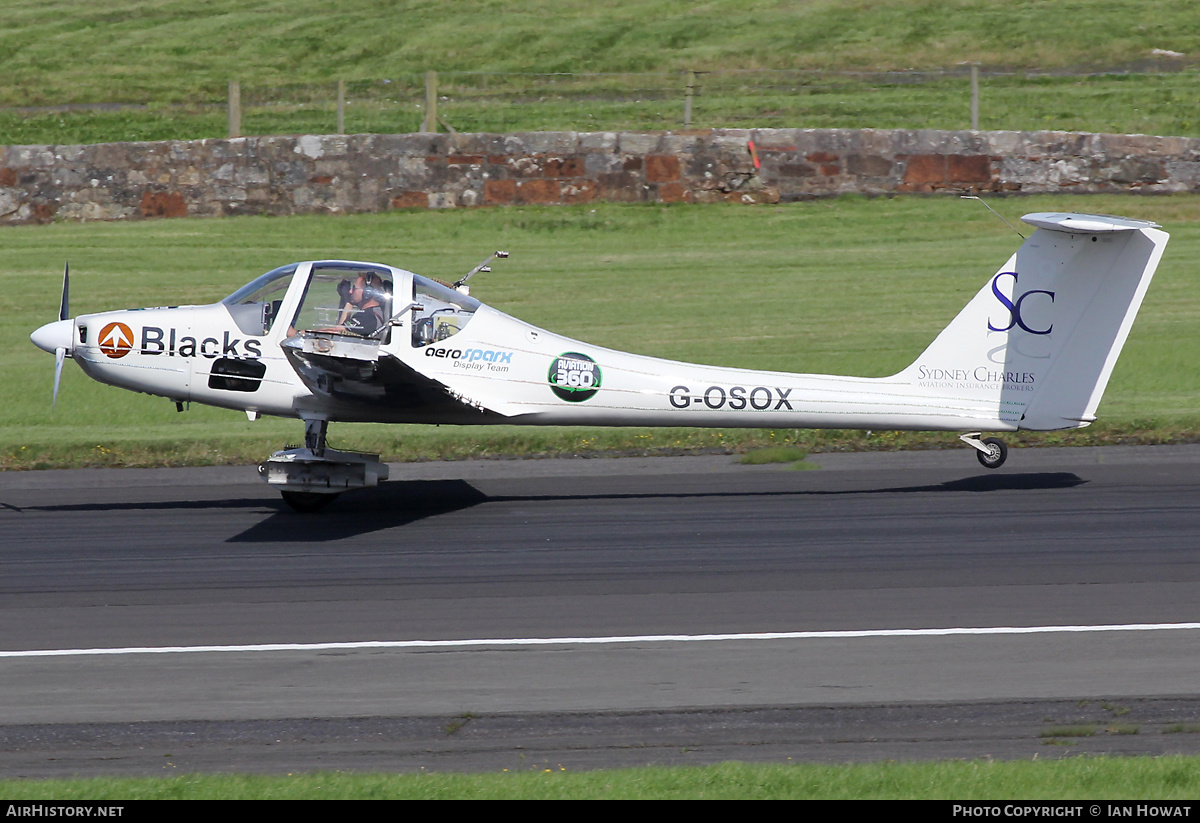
(346, 298)
(255, 305)
(444, 312)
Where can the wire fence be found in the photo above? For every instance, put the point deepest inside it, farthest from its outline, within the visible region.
(1148, 99)
(472, 101)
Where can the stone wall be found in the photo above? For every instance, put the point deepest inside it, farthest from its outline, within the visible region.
(374, 172)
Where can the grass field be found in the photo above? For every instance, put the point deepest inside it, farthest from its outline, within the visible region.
(848, 286)
(1089, 779)
(173, 50)
(512, 65)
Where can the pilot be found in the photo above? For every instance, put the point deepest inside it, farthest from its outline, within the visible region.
(367, 295)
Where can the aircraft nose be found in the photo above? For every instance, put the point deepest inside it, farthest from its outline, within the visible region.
(56, 335)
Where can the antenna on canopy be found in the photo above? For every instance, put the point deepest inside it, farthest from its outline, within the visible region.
(461, 285)
(993, 211)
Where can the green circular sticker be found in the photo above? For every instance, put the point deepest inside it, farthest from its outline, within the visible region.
(574, 377)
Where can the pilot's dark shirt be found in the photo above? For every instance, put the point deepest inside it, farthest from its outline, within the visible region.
(365, 321)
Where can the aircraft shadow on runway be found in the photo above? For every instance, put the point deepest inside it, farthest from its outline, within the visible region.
(364, 511)
(1032, 481)
(386, 506)
(398, 503)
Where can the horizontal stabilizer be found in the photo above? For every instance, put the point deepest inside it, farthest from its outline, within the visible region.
(1085, 223)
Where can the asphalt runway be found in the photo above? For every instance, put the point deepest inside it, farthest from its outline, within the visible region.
(604, 612)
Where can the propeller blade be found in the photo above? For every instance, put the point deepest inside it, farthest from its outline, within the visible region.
(63, 312)
(59, 356)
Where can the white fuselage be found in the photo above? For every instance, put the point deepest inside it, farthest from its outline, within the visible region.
(505, 365)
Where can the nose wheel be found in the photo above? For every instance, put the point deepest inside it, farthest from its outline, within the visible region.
(991, 451)
(309, 478)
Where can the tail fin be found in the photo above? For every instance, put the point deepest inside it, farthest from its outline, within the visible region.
(1035, 347)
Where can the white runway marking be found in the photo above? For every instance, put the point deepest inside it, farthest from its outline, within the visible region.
(600, 641)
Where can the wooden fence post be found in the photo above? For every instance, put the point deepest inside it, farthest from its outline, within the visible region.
(341, 106)
(431, 115)
(687, 99)
(235, 109)
(974, 97)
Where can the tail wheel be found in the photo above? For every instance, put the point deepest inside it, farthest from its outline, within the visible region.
(995, 455)
(307, 501)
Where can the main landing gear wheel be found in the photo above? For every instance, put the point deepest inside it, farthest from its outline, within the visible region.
(307, 501)
(995, 455)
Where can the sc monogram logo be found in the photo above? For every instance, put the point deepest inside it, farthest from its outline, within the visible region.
(1014, 306)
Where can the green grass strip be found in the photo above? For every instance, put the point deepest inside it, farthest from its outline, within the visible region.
(1077, 778)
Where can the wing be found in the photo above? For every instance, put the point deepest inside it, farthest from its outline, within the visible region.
(359, 381)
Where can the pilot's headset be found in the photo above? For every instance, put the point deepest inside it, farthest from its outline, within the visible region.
(376, 288)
